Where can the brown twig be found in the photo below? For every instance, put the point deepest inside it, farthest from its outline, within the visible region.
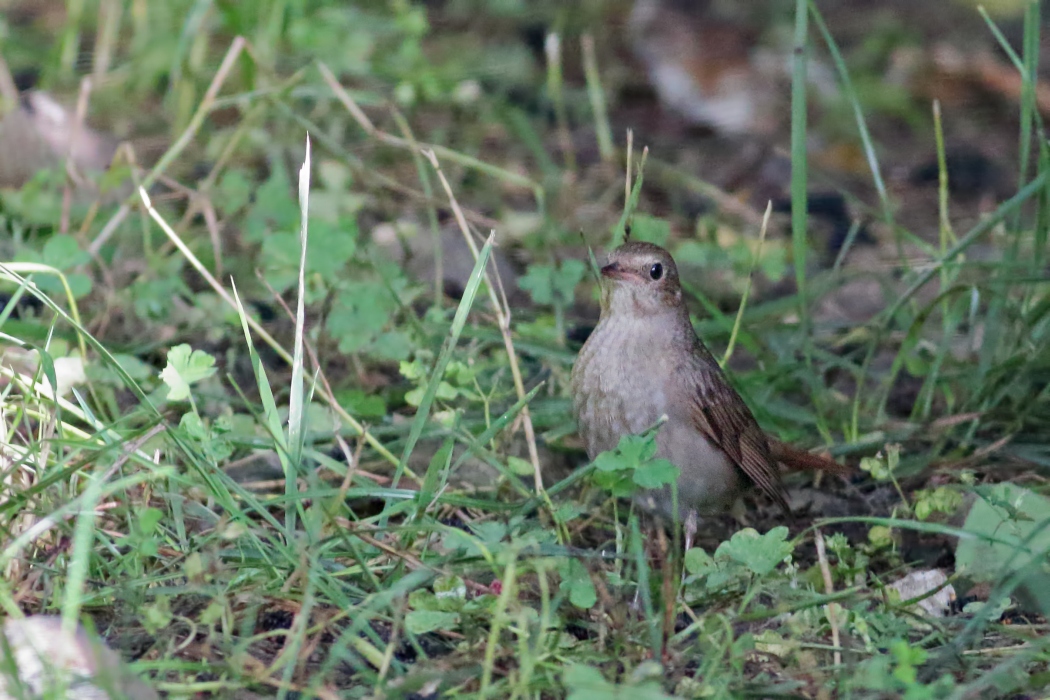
(667, 590)
(829, 588)
(352, 462)
(203, 109)
(73, 178)
(503, 316)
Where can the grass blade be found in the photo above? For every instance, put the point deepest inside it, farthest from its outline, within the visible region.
(458, 321)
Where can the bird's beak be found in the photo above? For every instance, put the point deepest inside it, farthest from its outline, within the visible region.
(615, 272)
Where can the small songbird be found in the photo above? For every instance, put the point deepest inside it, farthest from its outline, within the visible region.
(644, 361)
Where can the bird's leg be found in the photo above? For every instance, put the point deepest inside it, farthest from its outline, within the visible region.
(689, 528)
(667, 589)
(636, 602)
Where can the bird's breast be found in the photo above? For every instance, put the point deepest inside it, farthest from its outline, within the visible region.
(619, 384)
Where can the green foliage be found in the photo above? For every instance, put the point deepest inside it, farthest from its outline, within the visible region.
(553, 286)
(185, 367)
(365, 321)
(144, 537)
(37, 201)
(458, 381)
(273, 209)
(650, 229)
(632, 465)
(882, 468)
(235, 192)
(737, 254)
(1018, 521)
(576, 582)
(850, 564)
(586, 683)
(759, 553)
(745, 554)
(358, 403)
(63, 253)
(897, 673)
(446, 607)
(135, 368)
(213, 440)
(332, 247)
(945, 500)
(344, 37)
(423, 620)
(366, 297)
(154, 296)
(157, 616)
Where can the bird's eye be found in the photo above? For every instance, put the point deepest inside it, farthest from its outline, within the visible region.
(656, 271)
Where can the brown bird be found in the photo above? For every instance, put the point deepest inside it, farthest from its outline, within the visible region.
(711, 66)
(644, 361)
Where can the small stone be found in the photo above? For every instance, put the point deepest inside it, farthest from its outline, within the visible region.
(919, 583)
(55, 664)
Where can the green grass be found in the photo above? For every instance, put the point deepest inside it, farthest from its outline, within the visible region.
(418, 518)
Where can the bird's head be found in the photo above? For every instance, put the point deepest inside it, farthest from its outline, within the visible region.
(640, 279)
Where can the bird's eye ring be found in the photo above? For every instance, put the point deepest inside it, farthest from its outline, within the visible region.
(656, 271)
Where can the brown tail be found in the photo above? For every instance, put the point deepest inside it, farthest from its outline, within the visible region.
(799, 460)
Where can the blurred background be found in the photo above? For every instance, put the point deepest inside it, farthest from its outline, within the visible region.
(704, 85)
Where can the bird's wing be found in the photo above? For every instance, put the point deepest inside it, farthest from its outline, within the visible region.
(724, 419)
